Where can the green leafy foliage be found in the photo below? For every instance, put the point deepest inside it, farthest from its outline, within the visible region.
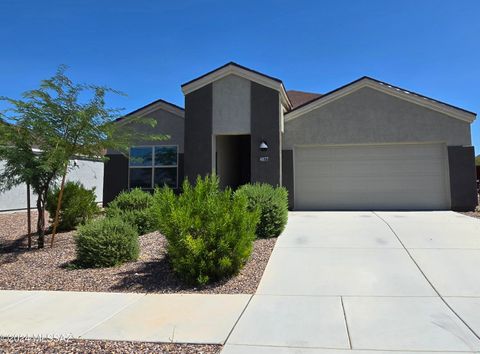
(45, 128)
(106, 242)
(210, 233)
(272, 204)
(135, 207)
(78, 205)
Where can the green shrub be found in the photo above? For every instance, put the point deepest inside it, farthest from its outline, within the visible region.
(78, 205)
(210, 234)
(272, 203)
(106, 242)
(134, 207)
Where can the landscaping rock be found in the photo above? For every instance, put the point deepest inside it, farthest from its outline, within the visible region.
(78, 346)
(53, 268)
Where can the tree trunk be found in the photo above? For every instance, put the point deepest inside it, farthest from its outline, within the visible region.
(29, 218)
(41, 222)
(59, 204)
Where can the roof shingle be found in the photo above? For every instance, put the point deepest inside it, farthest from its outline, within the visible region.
(299, 98)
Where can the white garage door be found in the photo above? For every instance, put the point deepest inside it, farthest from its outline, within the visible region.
(371, 177)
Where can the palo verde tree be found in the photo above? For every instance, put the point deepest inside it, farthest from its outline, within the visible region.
(60, 121)
(24, 163)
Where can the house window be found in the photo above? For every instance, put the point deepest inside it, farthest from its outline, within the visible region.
(152, 166)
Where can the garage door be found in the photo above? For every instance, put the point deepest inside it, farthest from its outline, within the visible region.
(371, 177)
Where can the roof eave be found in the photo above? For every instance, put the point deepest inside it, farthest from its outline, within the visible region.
(445, 108)
(153, 106)
(236, 69)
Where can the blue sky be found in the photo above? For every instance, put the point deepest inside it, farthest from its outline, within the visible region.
(148, 48)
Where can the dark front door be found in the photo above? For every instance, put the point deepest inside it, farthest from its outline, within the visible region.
(233, 160)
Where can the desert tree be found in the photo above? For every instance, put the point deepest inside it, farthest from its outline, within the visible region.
(25, 163)
(51, 125)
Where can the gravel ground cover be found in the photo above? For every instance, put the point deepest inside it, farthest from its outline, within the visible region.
(81, 346)
(473, 214)
(48, 269)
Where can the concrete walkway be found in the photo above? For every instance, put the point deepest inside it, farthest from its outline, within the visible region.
(367, 282)
(115, 316)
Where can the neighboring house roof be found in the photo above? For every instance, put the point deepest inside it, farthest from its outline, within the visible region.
(387, 88)
(242, 71)
(299, 98)
(153, 106)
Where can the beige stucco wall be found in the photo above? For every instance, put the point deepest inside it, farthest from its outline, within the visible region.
(231, 105)
(370, 116)
(167, 123)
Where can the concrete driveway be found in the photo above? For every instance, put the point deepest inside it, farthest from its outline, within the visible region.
(370, 282)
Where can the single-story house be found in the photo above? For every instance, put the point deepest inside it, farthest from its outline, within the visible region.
(367, 145)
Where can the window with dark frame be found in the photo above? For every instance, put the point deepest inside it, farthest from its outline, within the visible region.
(152, 166)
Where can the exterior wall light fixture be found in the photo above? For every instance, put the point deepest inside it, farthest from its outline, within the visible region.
(263, 146)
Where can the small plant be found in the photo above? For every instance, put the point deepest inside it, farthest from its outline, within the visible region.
(134, 207)
(106, 242)
(272, 204)
(78, 205)
(209, 233)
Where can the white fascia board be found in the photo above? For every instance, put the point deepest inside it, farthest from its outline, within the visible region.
(246, 74)
(393, 91)
(160, 105)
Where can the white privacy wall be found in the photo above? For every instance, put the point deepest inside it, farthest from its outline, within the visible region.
(89, 173)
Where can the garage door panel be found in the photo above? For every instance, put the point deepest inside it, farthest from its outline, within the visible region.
(378, 183)
(371, 177)
(345, 169)
(397, 172)
(399, 151)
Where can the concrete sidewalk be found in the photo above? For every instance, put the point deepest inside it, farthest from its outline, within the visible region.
(367, 282)
(187, 318)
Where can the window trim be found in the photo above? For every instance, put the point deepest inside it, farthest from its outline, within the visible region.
(152, 167)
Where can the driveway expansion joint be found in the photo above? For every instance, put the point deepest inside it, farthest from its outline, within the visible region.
(346, 323)
(238, 319)
(426, 278)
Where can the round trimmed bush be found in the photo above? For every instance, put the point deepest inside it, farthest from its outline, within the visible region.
(134, 207)
(272, 204)
(106, 242)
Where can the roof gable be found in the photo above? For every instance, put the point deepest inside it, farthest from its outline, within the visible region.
(153, 106)
(445, 108)
(236, 69)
